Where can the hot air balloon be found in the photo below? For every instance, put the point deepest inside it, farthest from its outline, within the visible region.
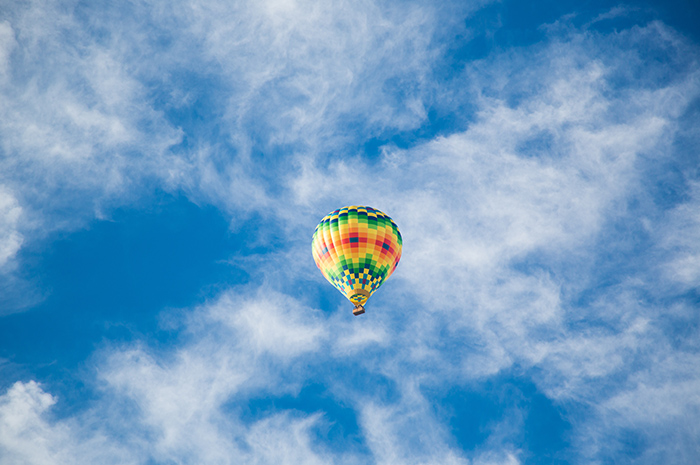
(357, 249)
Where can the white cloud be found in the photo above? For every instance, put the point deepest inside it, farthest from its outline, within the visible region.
(300, 67)
(354, 337)
(507, 458)
(78, 130)
(272, 323)
(7, 45)
(29, 437)
(10, 238)
(283, 440)
(406, 435)
(238, 346)
(680, 239)
(23, 432)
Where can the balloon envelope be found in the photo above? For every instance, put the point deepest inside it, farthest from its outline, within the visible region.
(357, 249)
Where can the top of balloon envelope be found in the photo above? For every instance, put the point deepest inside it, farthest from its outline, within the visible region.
(357, 248)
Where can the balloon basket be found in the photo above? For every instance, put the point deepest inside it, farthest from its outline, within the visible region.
(359, 310)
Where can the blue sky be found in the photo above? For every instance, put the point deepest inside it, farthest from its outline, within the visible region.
(163, 166)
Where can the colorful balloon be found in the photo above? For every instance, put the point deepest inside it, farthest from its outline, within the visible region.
(357, 249)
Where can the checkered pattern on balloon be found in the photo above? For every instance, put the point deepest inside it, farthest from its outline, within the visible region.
(357, 249)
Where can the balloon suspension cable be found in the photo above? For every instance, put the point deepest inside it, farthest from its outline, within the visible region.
(358, 310)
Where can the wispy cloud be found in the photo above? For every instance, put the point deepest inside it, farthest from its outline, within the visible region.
(78, 129)
(680, 238)
(93, 98)
(29, 436)
(10, 237)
